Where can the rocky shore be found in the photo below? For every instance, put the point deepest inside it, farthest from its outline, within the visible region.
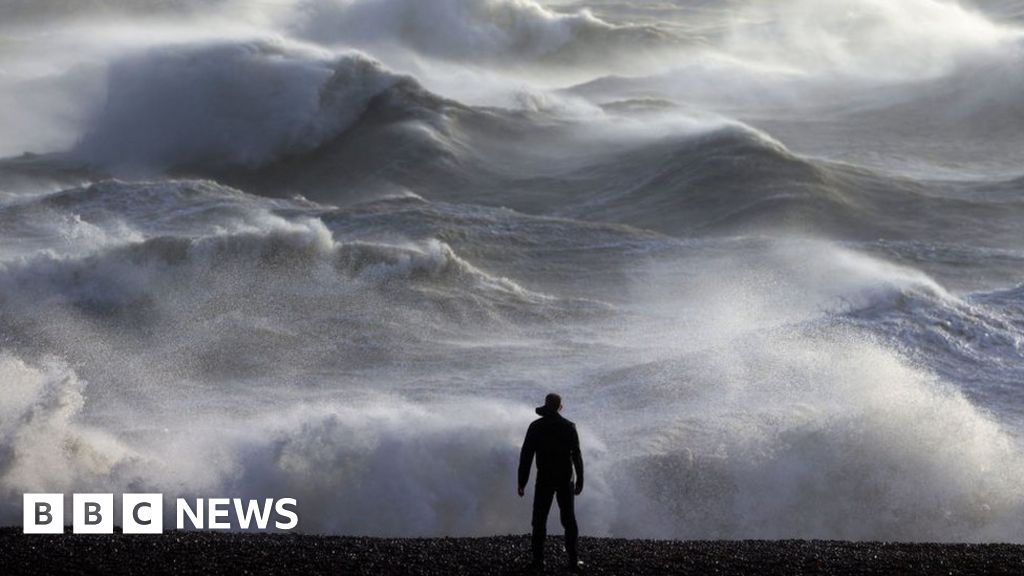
(236, 553)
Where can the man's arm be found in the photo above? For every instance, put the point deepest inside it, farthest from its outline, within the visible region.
(526, 459)
(577, 460)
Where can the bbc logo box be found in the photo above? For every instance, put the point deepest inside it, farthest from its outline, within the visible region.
(43, 514)
(93, 514)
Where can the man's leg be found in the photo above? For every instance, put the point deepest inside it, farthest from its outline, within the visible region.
(542, 496)
(567, 513)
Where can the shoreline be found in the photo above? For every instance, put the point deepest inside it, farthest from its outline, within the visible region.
(178, 552)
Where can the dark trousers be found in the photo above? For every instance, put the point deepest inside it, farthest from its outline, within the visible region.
(542, 497)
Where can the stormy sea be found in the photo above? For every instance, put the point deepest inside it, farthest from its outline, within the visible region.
(770, 254)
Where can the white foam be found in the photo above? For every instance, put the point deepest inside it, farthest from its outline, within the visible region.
(43, 446)
(873, 39)
(471, 30)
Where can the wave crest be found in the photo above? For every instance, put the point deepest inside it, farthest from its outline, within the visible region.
(234, 103)
(511, 31)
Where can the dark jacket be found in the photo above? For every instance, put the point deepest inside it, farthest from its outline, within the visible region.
(554, 441)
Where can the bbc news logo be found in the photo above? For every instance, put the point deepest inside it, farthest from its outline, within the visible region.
(144, 513)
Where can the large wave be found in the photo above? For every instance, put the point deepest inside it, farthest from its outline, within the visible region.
(238, 103)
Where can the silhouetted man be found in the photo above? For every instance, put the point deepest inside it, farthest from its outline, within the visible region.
(554, 441)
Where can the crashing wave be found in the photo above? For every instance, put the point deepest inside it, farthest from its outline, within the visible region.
(236, 103)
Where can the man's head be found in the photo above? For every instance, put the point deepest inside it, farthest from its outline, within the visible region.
(553, 402)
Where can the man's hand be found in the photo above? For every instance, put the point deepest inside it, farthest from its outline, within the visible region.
(579, 486)
(522, 490)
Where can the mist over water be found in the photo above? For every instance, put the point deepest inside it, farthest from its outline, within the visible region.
(338, 250)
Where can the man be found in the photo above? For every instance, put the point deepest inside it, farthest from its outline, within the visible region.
(554, 441)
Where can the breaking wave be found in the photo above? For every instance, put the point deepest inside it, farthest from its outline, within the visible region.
(849, 442)
(236, 104)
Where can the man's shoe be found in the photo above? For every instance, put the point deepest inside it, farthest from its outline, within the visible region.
(575, 567)
(537, 567)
